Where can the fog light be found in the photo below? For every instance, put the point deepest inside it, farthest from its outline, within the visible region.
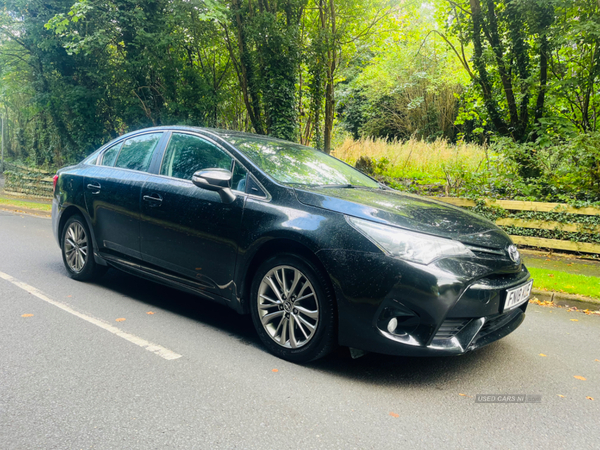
(392, 325)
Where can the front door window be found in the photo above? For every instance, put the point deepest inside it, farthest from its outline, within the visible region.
(187, 154)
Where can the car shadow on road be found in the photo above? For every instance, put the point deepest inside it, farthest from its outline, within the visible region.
(371, 369)
(186, 305)
(386, 370)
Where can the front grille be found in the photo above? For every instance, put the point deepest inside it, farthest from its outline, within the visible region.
(509, 277)
(451, 328)
(490, 256)
(489, 253)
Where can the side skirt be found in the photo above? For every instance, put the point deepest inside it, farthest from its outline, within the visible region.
(163, 278)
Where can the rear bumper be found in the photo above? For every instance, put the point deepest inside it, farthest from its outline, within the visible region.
(447, 308)
(55, 219)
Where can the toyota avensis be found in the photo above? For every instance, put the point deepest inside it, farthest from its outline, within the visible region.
(316, 252)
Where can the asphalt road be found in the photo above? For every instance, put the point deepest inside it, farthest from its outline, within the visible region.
(71, 381)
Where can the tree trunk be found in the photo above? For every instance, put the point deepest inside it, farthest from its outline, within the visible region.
(589, 89)
(479, 63)
(246, 75)
(494, 39)
(329, 109)
(329, 91)
(520, 50)
(539, 105)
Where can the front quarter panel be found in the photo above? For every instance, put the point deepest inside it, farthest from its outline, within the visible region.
(285, 218)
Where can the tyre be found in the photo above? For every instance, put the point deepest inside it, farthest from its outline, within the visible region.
(77, 250)
(293, 309)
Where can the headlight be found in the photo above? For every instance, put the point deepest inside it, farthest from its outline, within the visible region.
(407, 245)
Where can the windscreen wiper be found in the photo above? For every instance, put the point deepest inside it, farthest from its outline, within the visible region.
(336, 186)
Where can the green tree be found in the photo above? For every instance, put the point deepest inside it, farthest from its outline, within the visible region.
(574, 64)
(335, 30)
(510, 46)
(263, 42)
(407, 84)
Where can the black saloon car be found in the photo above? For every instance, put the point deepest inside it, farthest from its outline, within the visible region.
(316, 252)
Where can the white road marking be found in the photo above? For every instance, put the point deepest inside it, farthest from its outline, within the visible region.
(154, 348)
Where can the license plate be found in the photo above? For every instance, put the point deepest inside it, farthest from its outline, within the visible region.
(518, 295)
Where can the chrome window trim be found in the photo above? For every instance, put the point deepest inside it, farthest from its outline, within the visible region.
(127, 170)
(266, 198)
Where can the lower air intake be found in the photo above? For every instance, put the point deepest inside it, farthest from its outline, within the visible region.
(451, 328)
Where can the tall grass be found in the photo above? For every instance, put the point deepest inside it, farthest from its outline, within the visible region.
(426, 162)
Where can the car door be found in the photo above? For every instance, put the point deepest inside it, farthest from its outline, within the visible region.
(188, 230)
(112, 194)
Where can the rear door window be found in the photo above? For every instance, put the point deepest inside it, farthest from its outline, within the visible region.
(92, 160)
(136, 153)
(110, 156)
(187, 154)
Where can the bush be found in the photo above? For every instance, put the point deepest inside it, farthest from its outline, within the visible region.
(567, 171)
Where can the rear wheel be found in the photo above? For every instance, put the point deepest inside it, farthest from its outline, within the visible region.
(77, 250)
(293, 309)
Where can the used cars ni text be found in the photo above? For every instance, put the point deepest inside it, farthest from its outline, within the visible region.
(316, 252)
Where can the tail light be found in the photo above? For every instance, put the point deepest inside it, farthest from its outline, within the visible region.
(54, 180)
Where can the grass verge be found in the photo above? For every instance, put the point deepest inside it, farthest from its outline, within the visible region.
(26, 205)
(423, 162)
(555, 280)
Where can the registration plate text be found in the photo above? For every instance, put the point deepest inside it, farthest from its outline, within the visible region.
(518, 295)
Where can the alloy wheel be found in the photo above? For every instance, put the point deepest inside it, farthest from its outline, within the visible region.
(288, 307)
(76, 247)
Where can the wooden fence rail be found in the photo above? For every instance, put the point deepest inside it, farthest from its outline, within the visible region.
(27, 181)
(516, 205)
(556, 244)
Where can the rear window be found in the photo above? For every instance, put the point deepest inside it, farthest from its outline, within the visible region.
(92, 160)
(109, 157)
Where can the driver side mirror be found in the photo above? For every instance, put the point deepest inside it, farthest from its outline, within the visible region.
(217, 180)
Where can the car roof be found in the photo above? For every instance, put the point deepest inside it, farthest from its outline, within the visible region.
(218, 132)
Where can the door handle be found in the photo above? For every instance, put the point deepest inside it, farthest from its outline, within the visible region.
(154, 198)
(94, 187)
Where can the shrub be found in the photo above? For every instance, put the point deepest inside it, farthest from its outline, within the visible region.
(567, 171)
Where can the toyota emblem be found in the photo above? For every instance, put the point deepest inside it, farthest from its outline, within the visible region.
(514, 253)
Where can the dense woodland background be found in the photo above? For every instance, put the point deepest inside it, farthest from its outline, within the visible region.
(516, 80)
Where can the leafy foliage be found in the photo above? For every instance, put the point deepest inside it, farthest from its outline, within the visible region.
(76, 73)
(519, 77)
(407, 85)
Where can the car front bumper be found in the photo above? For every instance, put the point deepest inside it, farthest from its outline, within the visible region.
(449, 307)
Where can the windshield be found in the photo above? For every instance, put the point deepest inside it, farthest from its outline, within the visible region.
(296, 164)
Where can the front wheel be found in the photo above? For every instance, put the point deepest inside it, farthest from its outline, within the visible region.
(77, 250)
(293, 309)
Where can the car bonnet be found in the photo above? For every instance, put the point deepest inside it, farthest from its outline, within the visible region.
(407, 211)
